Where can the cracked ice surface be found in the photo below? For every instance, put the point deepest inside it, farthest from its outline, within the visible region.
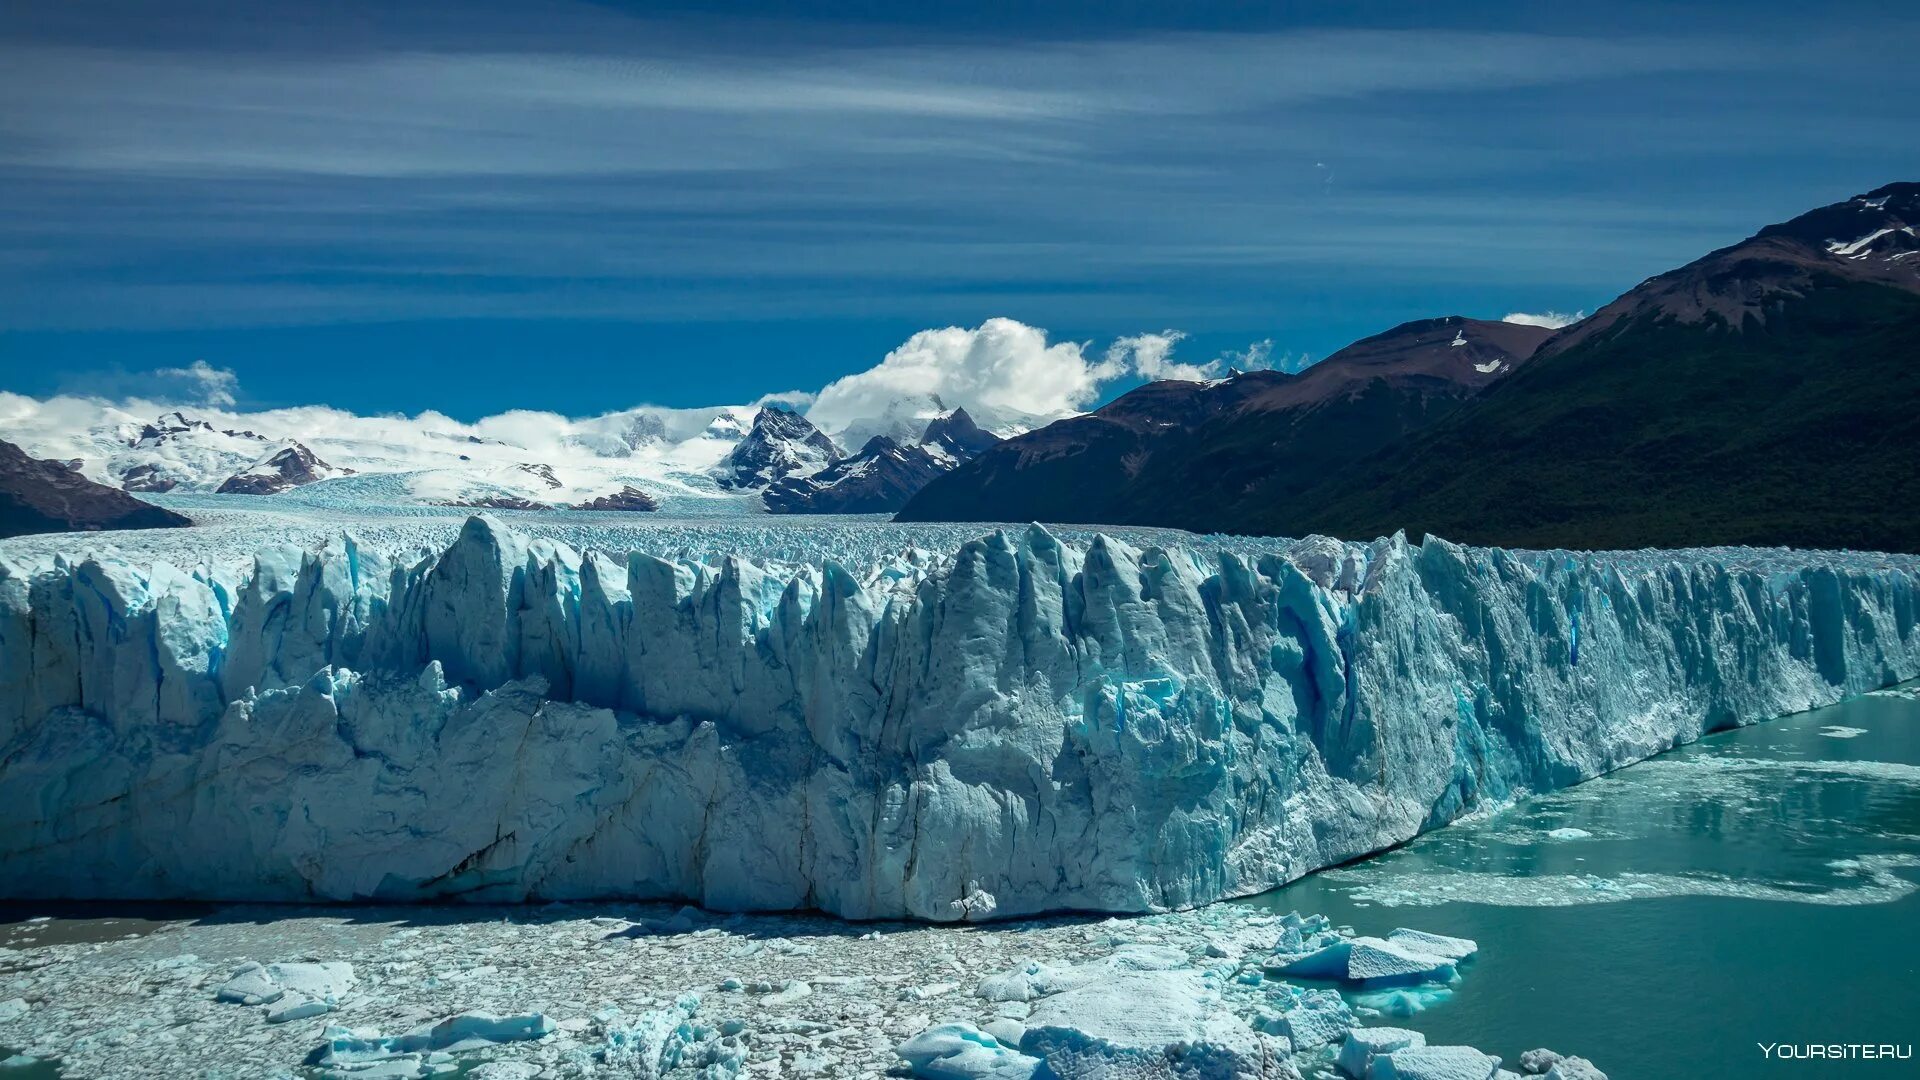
(570, 990)
(600, 990)
(1013, 724)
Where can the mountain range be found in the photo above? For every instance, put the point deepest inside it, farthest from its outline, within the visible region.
(726, 459)
(1767, 393)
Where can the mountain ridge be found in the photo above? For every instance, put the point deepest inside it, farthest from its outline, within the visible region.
(1765, 393)
(1371, 390)
(38, 496)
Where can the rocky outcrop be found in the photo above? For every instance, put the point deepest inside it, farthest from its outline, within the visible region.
(878, 480)
(628, 499)
(289, 467)
(49, 496)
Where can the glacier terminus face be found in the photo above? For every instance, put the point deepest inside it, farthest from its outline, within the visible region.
(1026, 723)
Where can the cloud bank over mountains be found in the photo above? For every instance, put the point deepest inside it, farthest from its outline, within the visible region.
(1002, 365)
(1008, 374)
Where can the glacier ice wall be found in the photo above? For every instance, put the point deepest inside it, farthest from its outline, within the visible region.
(1022, 725)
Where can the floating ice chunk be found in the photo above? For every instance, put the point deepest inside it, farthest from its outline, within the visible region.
(1033, 979)
(1372, 961)
(292, 1006)
(964, 1052)
(249, 985)
(661, 1040)
(1147, 1023)
(18, 1061)
(1300, 935)
(1311, 1018)
(291, 991)
(462, 1031)
(1006, 1030)
(1575, 1068)
(1144, 1009)
(1434, 1063)
(1402, 1001)
(931, 990)
(1537, 1062)
(1569, 834)
(325, 981)
(1453, 948)
(505, 1070)
(1838, 731)
(13, 1009)
(1364, 1044)
(789, 991)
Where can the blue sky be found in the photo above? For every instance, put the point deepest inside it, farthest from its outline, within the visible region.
(579, 207)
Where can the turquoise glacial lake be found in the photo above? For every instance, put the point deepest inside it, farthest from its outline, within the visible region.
(1757, 887)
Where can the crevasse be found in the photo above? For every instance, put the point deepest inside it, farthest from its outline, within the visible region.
(1023, 725)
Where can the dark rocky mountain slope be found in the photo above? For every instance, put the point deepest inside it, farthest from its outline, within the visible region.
(1199, 454)
(48, 496)
(1767, 393)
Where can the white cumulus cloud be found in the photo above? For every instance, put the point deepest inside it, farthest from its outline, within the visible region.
(1552, 320)
(198, 383)
(1001, 366)
(1152, 356)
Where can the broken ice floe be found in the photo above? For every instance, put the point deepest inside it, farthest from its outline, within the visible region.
(658, 1041)
(1362, 1045)
(1434, 1063)
(547, 991)
(957, 1051)
(289, 991)
(1396, 960)
(422, 1051)
(1218, 1007)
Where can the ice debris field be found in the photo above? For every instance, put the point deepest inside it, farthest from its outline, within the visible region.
(1011, 724)
(567, 990)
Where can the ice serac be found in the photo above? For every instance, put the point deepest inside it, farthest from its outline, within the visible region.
(1024, 724)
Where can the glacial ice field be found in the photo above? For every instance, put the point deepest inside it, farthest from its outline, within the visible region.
(1603, 914)
(876, 721)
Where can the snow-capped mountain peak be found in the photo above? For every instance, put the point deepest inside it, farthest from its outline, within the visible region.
(781, 443)
(958, 435)
(288, 467)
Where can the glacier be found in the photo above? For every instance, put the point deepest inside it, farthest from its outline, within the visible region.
(1025, 723)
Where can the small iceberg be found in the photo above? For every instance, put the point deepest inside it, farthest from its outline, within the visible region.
(289, 991)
